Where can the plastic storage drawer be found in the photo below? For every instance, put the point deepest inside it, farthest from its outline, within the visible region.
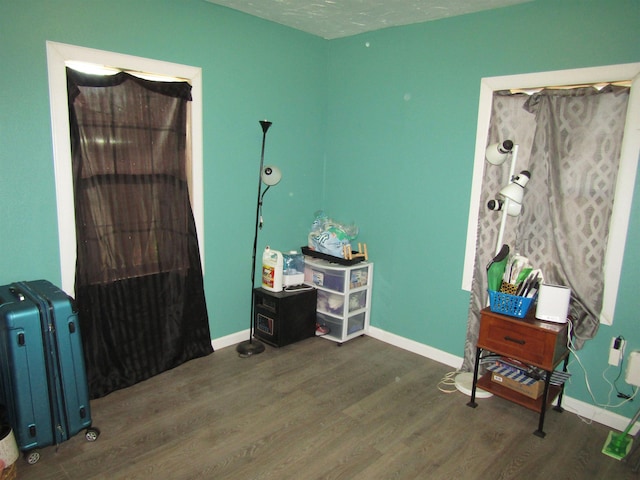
(330, 302)
(359, 277)
(357, 300)
(324, 277)
(334, 324)
(355, 323)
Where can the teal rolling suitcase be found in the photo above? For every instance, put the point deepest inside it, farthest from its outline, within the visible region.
(42, 373)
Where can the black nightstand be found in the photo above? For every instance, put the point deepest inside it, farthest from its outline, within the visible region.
(285, 317)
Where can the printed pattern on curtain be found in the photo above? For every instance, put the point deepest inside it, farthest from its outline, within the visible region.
(508, 121)
(570, 142)
(139, 287)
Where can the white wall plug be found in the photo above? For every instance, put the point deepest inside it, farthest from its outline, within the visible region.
(616, 352)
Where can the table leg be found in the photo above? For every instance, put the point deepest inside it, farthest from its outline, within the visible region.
(539, 432)
(558, 407)
(472, 403)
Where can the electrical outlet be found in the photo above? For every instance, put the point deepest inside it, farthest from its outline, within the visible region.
(616, 351)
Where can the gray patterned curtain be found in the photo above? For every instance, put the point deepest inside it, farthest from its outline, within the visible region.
(570, 142)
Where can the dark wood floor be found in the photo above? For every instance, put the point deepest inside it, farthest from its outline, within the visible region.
(314, 410)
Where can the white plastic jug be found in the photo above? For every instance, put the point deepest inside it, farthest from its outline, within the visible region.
(272, 266)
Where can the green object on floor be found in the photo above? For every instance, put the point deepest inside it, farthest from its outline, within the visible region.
(618, 445)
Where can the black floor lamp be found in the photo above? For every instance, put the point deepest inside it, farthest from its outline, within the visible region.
(269, 175)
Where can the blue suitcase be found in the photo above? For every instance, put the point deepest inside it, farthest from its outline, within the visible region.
(42, 373)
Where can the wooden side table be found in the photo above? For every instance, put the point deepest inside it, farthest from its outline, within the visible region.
(531, 341)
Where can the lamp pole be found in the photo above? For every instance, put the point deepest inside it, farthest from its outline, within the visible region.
(252, 346)
(505, 205)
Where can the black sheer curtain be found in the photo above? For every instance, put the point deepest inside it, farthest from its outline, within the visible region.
(139, 288)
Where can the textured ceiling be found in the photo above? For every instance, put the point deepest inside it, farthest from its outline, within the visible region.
(342, 18)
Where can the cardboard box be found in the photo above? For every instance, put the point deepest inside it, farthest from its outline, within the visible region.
(532, 390)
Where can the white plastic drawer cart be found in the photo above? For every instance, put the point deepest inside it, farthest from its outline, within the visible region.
(344, 296)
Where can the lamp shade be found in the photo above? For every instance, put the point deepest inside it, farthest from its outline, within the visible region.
(496, 153)
(271, 175)
(513, 209)
(515, 190)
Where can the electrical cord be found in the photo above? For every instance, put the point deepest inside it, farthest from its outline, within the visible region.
(298, 288)
(575, 355)
(448, 381)
(620, 394)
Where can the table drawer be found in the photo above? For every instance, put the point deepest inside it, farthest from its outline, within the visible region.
(523, 341)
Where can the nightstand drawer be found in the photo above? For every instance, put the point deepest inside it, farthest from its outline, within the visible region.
(512, 340)
(528, 340)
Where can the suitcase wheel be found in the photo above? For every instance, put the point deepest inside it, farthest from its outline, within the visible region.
(92, 434)
(32, 457)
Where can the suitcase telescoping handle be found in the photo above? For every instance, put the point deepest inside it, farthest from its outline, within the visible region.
(19, 295)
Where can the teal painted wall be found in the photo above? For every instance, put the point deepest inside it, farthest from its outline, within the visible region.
(381, 135)
(251, 69)
(402, 117)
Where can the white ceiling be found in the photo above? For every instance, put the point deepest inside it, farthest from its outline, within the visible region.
(341, 18)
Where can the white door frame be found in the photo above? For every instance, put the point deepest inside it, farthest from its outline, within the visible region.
(58, 54)
(626, 174)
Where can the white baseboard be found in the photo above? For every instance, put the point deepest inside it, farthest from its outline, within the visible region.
(229, 340)
(440, 356)
(585, 411)
(589, 413)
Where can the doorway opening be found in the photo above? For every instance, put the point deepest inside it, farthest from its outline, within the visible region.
(630, 151)
(59, 56)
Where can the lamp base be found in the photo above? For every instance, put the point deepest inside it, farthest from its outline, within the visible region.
(249, 348)
(464, 384)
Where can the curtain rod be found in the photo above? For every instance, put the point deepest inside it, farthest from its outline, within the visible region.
(598, 86)
(98, 69)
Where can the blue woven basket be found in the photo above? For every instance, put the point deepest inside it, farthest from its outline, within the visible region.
(511, 305)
